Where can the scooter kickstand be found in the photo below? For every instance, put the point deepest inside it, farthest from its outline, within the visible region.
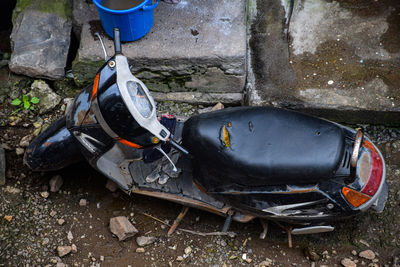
(227, 222)
(178, 220)
(264, 224)
(288, 231)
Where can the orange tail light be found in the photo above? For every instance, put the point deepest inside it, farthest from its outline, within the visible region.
(355, 198)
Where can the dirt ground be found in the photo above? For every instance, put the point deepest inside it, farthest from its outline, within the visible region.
(33, 234)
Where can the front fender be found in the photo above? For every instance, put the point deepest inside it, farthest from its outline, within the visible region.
(53, 149)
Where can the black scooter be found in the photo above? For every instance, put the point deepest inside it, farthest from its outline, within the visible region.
(241, 163)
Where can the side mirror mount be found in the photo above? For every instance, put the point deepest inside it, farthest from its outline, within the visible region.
(117, 41)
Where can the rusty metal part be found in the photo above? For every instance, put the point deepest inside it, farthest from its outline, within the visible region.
(356, 148)
(178, 220)
(225, 137)
(301, 190)
(288, 229)
(183, 201)
(239, 217)
(289, 189)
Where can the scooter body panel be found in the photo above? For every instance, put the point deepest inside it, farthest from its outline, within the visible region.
(53, 149)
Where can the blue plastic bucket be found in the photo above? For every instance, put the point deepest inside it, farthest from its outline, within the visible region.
(133, 23)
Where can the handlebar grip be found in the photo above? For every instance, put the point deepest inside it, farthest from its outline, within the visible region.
(117, 41)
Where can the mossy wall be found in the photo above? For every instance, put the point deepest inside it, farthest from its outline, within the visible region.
(63, 8)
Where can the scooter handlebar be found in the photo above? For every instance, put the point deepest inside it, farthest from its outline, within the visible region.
(178, 147)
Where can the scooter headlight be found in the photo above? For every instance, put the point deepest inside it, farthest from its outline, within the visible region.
(139, 98)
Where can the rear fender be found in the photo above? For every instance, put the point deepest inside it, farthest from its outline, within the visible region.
(53, 149)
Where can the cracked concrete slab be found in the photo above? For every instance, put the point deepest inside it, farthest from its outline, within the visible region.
(195, 46)
(342, 59)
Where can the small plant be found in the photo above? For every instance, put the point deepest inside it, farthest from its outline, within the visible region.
(26, 103)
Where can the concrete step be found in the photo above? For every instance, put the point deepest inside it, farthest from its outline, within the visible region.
(194, 46)
(341, 59)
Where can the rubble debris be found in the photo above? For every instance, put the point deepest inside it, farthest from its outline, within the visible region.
(44, 194)
(143, 241)
(82, 202)
(140, 250)
(346, 262)
(63, 250)
(70, 236)
(367, 254)
(122, 228)
(25, 141)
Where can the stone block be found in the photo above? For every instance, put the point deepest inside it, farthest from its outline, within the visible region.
(122, 228)
(83, 11)
(199, 98)
(193, 46)
(341, 62)
(40, 38)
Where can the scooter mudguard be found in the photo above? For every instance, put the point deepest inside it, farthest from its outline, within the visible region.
(54, 149)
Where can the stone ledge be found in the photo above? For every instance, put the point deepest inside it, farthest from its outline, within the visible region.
(193, 46)
(340, 63)
(199, 98)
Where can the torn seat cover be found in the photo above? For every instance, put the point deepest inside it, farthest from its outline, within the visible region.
(258, 146)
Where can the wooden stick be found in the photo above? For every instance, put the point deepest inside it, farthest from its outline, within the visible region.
(154, 218)
(230, 234)
(178, 220)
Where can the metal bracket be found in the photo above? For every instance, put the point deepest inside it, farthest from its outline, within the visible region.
(356, 148)
(168, 158)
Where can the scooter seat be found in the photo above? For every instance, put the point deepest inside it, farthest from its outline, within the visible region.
(259, 146)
